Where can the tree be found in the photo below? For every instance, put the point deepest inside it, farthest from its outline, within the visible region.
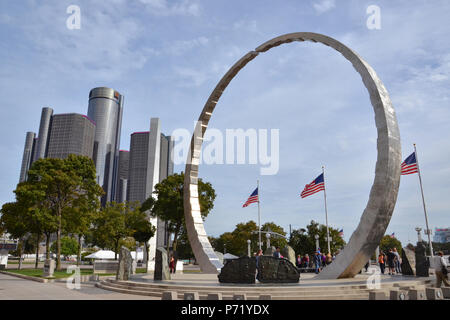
(303, 240)
(69, 246)
(66, 184)
(13, 220)
(169, 204)
(140, 227)
(275, 240)
(387, 243)
(40, 220)
(112, 226)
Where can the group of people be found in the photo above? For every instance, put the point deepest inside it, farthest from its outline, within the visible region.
(321, 260)
(391, 260)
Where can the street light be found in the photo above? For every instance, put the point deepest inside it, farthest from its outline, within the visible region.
(248, 246)
(317, 241)
(268, 240)
(419, 236)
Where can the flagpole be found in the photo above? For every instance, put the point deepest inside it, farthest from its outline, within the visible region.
(326, 211)
(259, 215)
(423, 201)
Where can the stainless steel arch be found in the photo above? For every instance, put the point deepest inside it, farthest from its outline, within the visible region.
(383, 194)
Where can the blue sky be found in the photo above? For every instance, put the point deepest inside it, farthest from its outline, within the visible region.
(165, 57)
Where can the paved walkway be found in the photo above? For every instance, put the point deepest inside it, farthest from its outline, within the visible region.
(13, 288)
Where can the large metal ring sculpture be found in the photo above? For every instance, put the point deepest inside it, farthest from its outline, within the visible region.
(383, 194)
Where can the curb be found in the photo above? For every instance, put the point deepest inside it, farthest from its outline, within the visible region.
(84, 278)
(42, 280)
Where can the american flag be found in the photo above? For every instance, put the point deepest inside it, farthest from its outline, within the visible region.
(252, 199)
(341, 233)
(315, 186)
(409, 166)
(393, 235)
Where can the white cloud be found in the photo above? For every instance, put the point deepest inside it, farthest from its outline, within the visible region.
(163, 8)
(324, 6)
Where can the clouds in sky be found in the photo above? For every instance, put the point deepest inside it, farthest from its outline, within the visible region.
(167, 56)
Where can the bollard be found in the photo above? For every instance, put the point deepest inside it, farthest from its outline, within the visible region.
(169, 295)
(398, 295)
(417, 295)
(191, 296)
(214, 296)
(446, 292)
(434, 294)
(265, 297)
(242, 296)
(377, 295)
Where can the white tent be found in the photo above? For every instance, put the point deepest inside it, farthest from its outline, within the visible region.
(102, 254)
(229, 256)
(108, 254)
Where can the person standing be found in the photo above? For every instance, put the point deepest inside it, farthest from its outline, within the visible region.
(398, 268)
(258, 255)
(305, 261)
(440, 268)
(298, 262)
(391, 262)
(317, 261)
(277, 253)
(172, 265)
(381, 262)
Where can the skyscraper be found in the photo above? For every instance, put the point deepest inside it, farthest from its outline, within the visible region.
(27, 158)
(150, 163)
(70, 133)
(105, 109)
(42, 139)
(124, 164)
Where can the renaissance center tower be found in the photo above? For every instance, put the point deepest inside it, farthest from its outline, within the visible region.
(105, 109)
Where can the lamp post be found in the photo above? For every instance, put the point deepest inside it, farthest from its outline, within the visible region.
(268, 240)
(419, 236)
(317, 241)
(248, 247)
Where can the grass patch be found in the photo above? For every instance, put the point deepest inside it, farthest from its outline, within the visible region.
(56, 275)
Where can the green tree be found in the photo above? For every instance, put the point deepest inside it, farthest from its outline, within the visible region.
(301, 242)
(169, 204)
(66, 183)
(387, 243)
(13, 220)
(69, 246)
(140, 227)
(336, 241)
(112, 226)
(40, 220)
(275, 239)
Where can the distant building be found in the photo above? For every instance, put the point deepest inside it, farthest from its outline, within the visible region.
(59, 136)
(123, 175)
(70, 133)
(441, 235)
(149, 163)
(27, 158)
(105, 109)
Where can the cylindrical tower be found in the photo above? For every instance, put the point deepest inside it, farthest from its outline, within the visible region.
(27, 155)
(44, 128)
(105, 109)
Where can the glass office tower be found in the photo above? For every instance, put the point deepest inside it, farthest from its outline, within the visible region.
(105, 109)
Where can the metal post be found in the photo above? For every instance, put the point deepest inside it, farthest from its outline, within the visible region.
(317, 241)
(326, 211)
(268, 240)
(423, 201)
(259, 216)
(248, 244)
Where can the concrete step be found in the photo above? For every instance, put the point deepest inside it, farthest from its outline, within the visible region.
(250, 296)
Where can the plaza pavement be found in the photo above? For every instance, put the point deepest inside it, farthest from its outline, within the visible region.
(13, 288)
